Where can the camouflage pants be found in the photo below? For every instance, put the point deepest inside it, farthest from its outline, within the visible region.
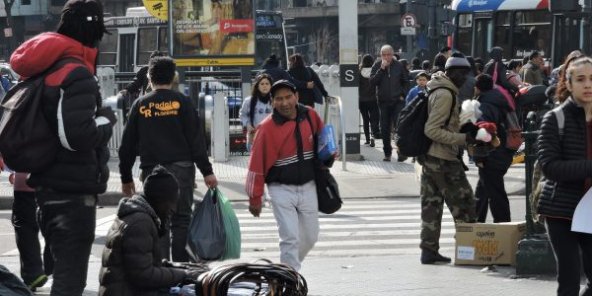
(443, 181)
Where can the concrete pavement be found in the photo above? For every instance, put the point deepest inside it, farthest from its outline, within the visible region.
(371, 177)
(361, 271)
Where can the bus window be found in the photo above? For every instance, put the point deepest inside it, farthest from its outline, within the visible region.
(463, 38)
(502, 32)
(532, 31)
(108, 50)
(483, 37)
(163, 40)
(146, 44)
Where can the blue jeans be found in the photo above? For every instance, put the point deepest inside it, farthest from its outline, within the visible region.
(67, 221)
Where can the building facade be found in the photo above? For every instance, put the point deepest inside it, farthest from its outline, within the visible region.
(311, 25)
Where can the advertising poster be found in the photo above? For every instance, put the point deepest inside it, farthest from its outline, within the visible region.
(213, 32)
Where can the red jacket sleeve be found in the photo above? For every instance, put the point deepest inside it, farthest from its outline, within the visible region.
(263, 155)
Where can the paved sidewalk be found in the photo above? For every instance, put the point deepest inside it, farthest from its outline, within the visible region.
(371, 177)
(384, 275)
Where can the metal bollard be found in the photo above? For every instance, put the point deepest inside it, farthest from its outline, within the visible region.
(530, 137)
(535, 255)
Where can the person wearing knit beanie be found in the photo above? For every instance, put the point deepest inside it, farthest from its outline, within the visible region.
(443, 177)
(161, 187)
(134, 244)
(457, 60)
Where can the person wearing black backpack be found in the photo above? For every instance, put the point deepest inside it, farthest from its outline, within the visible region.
(443, 177)
(67, 189)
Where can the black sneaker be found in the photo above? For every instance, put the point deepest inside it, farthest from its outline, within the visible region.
(372, 144)
(401, 158)
(367, 143)
(431, 257)
(387, 158)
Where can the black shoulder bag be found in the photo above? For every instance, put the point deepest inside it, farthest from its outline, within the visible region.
(327, 188)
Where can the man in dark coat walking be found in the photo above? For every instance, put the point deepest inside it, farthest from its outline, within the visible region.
(391, 81)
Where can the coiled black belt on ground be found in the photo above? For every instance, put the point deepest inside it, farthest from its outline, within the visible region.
(269, 279)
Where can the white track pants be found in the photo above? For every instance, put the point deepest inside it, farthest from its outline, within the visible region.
(295, 208)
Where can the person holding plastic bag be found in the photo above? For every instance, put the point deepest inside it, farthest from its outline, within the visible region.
(163, 129)
(283, 157)
(131, 261)
(566, 163)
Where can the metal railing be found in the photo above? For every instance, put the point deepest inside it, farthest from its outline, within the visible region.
(334, 115)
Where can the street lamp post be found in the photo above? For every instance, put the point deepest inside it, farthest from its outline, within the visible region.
(409, 37)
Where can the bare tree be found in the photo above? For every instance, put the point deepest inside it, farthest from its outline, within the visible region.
(324, 42)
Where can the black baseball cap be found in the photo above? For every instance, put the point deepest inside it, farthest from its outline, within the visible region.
(283, 83)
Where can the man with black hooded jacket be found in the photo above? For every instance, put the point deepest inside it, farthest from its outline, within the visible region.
(67, 190)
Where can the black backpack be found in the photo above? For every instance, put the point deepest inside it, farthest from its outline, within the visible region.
(410, 138)
(27, 141)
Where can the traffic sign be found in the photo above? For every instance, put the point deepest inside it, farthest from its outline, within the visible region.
(157, 8)
(408, 31)
(409, 20)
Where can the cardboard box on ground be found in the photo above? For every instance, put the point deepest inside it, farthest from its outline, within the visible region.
(488, 243)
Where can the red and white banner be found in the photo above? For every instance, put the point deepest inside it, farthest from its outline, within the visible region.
(237, 26)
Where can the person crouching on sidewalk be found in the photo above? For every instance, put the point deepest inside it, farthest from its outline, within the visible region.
(131, 263)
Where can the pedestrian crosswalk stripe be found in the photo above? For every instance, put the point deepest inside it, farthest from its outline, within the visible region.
(356, 243)
(350, 234)
(274, 254)
(415, 225)
(345, 213)
(351, 219)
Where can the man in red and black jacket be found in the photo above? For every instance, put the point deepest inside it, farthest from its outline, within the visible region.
(67, 190)
(283, 157)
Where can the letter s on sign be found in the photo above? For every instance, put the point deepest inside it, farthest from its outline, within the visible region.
(349, 75)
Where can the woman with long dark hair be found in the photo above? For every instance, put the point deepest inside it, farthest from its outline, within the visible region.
(256, 107)
(367, 101)
(565, 155)
(309, 95)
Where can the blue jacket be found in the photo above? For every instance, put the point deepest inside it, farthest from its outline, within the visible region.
(413, 93)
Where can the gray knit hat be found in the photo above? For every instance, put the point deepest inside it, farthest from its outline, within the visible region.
(457, 60)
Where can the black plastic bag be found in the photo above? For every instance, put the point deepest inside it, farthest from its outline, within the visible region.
(533, 95)
(206, 239)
